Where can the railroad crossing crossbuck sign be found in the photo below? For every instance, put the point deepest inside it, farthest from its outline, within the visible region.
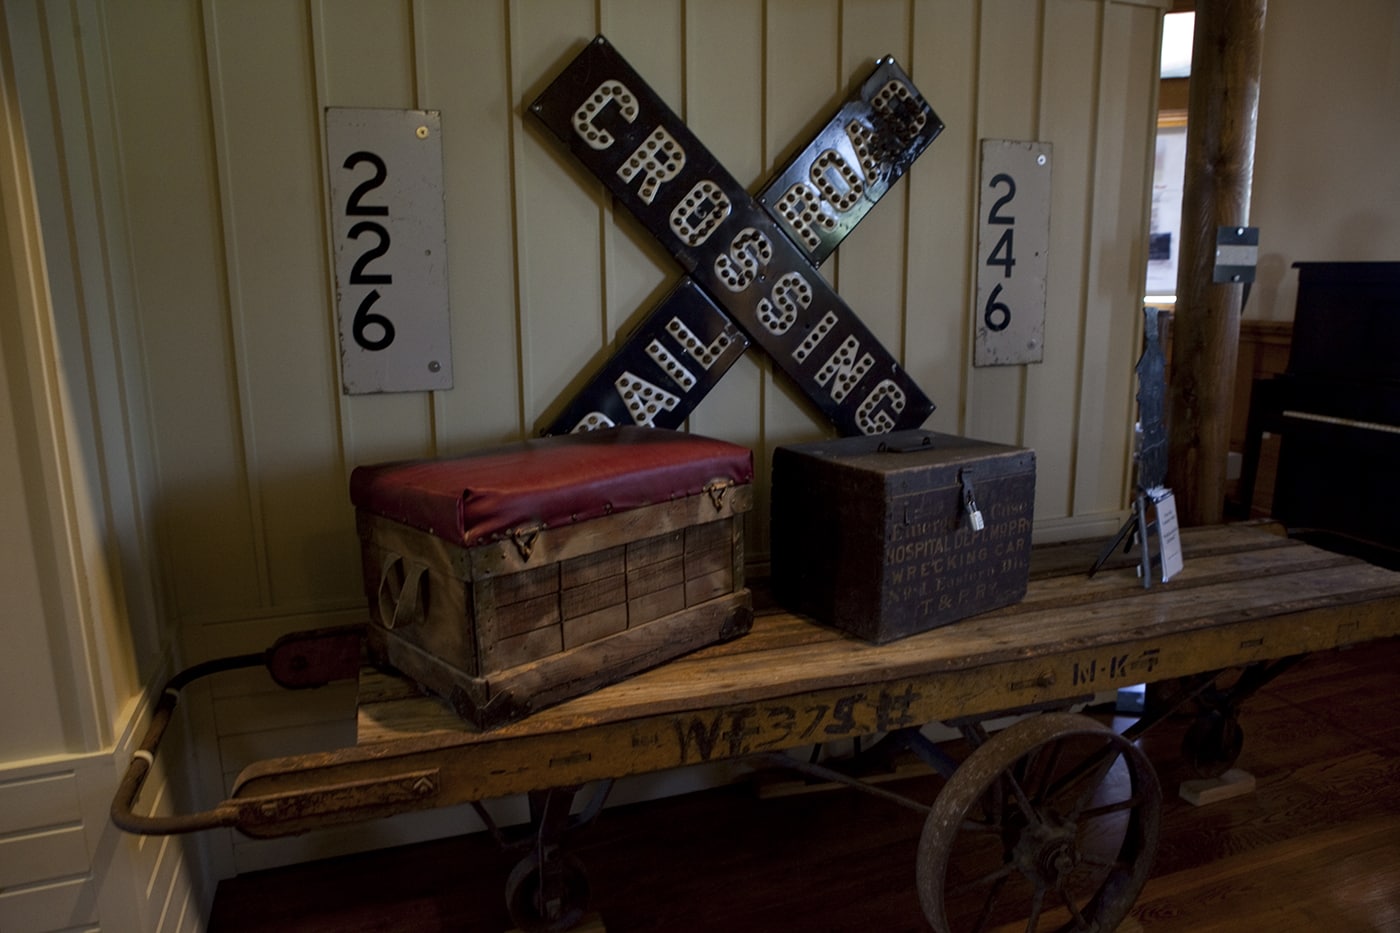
(750, 262)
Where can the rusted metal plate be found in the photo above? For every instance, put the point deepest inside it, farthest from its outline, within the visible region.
(317, 657)
(742, 258)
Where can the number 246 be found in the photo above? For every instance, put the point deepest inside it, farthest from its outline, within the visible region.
(995, 314)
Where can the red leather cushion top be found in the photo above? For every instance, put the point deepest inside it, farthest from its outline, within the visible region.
(547, 481)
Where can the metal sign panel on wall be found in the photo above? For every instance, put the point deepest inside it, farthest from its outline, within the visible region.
(384, 170)
(1013, 245)
(614, 123)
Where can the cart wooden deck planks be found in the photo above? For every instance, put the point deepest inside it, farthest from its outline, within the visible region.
(1245, 595)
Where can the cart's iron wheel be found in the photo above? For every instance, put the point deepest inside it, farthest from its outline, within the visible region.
(547, 897)
(1051, 824)
(1213, 743)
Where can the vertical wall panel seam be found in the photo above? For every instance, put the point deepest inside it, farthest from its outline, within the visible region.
(104, 258)
(99, 645)
(607, 231)
(685, 103)
(246, 442)
(833, 264)
(162, 850)
(155, 549)
(57, 524)
(1140, 253)
(136, 438)
(344, 425)
(185, 907)
(1086, 272)
(907, 200)
(974, 163)
(418, 27)
(169, 893)
(1023, 372)
(87, 668)
(765, 364)
(522, 311)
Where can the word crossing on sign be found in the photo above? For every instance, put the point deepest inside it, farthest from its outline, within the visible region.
(640, 381)
(742, 259)
(1012, 250)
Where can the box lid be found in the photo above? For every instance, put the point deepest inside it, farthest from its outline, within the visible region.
(547, 482)
(915, 459)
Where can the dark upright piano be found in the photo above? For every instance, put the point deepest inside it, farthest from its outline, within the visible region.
(1337, 410)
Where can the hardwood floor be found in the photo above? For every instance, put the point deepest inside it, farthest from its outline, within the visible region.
(1315, 847)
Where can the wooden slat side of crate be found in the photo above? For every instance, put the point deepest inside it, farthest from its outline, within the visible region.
(506, 696)
(501, 629)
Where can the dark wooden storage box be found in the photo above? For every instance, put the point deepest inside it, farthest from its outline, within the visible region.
(523, 576)
(872, 534)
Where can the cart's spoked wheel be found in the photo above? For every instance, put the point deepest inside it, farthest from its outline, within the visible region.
(1050, 825)
(547, 899)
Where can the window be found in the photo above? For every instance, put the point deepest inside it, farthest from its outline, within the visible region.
(1169, 169)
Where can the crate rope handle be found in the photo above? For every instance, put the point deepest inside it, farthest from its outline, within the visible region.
(408, 606)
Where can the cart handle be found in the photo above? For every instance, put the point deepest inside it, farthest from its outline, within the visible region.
(143, 760)
(295, 661)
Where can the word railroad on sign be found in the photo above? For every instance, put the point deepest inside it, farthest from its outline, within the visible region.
(750, 262)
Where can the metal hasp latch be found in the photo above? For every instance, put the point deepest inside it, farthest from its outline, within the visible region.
(974, 514)
(717, 488)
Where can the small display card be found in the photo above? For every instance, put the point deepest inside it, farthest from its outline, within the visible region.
(1168, 534)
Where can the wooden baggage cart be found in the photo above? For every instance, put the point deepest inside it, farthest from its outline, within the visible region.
(1247, 598)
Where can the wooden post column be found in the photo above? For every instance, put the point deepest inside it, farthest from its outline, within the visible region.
(1222, 113)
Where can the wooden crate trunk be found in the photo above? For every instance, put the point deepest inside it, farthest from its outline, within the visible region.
(873, 534)
(523, 576)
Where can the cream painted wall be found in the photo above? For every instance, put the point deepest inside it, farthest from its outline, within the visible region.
(219, 109)
(181, 181)
(83, 634)
(1326, 171)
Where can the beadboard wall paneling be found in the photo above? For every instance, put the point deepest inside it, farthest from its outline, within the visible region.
(547, 275)
(1067, 98)
(45, 882)
(174, 210)
(64, 866)
(725, 58)
(1112, 319)
(464, 71)
(942, 195)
